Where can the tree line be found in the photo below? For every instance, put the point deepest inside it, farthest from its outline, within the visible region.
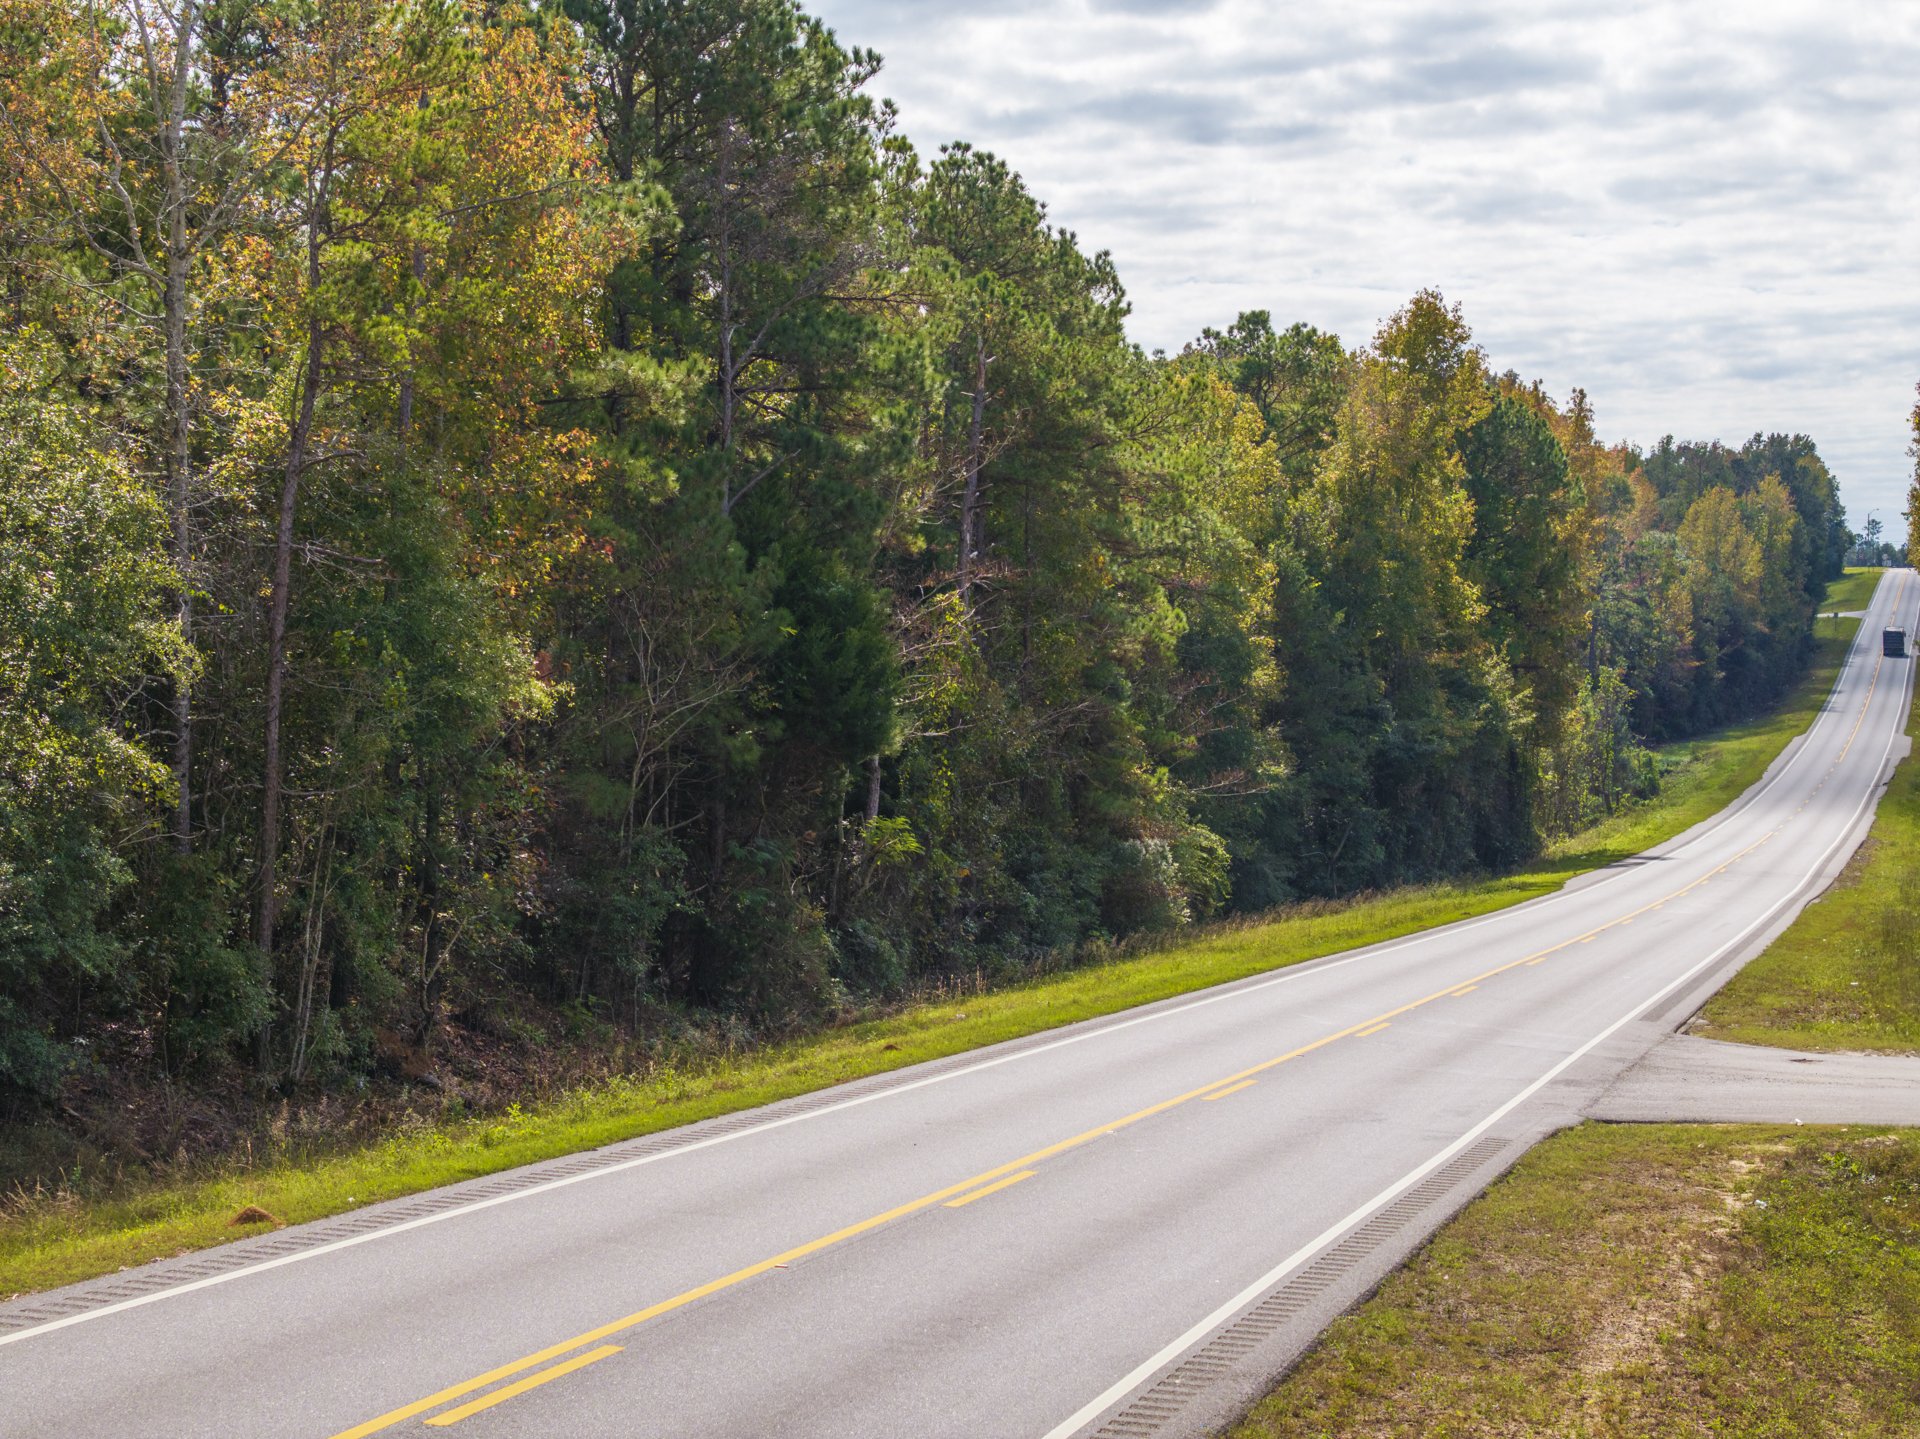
(509, 504)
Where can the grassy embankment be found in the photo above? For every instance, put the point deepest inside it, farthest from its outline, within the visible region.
(75, 1233)
(1846, 975)
(1644, 1280)
(1852, 591)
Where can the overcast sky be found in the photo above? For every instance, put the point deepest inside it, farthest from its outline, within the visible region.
(1706, 214)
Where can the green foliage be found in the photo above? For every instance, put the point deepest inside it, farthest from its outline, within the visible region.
(1711, 562)
(1524, 556)
(689, 549)
(85, 595)
(83, 587)
(198, 979)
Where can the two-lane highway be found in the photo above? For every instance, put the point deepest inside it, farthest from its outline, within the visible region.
(1119, 1228)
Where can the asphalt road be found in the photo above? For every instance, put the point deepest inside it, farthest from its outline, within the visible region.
(1119, 1229)
(1705, 1081)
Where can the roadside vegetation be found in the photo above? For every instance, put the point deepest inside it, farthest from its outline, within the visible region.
(1846, 975)
(100, 1216)
(1632, 1280)
(529, 530)
(1698, 778)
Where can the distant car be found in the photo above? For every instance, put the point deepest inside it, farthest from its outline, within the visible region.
(1894, 643)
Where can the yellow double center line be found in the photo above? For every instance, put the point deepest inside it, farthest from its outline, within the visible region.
(977, 1187)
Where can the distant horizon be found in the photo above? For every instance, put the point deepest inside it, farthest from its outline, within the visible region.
(1708, 251)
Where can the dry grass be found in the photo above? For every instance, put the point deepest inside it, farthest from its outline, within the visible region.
(1644, 1281)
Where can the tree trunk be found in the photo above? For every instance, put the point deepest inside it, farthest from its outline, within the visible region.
(716, 837)
(405, 425)
(432, 939)
(179, 419)
(297, 447)
(315, 975)
(179, 501)
(970, 496)
(406, 407)
(723, 244)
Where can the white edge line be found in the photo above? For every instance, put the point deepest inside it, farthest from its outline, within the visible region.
(1233, 989)
(1147, 1368)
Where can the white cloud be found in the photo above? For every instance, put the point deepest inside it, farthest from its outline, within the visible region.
(1706, 214)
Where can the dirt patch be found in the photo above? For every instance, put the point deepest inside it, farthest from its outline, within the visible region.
(1624, 1334)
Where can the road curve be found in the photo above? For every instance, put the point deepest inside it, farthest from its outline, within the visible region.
(1122, 1228)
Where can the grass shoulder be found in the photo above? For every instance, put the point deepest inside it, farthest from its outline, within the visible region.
(73, 1232)
(1846, 974)
(1853, 590)
(1644, 1280)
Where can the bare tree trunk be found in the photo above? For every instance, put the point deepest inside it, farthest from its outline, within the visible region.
(716, 836)
(420, 281)
(271, 778)
(299, 445)
(873, 789)
(970, 496)
(180, 499)
(315, 974)
(179, 419)
(724, 245)
(432, 938)
(406, 407)
(1026, 589)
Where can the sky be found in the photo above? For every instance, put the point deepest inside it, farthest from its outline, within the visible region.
(1706, 215)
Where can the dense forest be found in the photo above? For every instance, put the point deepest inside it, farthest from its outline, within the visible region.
(517, 512)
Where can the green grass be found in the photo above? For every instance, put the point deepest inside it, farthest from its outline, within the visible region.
(1852, 591)
(1644, 1280)
(49, 1239)
(1846, 974)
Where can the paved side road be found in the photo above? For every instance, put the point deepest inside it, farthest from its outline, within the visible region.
(1706, 1081)
(1126, 1227)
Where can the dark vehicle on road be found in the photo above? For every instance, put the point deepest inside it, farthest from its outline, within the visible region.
(1894, 643)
